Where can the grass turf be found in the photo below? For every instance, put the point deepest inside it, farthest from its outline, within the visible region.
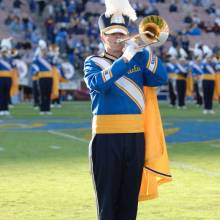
(46, 177)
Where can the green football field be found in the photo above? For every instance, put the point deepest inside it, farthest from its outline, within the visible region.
(44, 168)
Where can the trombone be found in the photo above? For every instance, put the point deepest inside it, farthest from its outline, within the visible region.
(153, 31)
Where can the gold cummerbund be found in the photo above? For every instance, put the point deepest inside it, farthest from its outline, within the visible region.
(172, 76)
(5, 73)
(109, 124)
(208, 77)
(45, 74)
(35, 77)
(197, 77)
(178, 77)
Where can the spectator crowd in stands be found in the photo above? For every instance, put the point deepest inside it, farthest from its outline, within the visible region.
(73, 26)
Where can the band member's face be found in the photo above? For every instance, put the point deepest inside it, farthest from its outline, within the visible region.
(182, 61)
(43, 52)
(6, 54)
(110, 41)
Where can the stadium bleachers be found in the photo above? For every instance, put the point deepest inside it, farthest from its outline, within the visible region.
(92, 9)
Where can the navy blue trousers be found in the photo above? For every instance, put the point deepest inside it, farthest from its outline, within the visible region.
(45, 93)
(116, 164)
(36, 93)
(5, 86)
(181, 92)
(208, 91)
(172, 94)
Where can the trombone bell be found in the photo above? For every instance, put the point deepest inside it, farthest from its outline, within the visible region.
(153, 31)
(157, 30)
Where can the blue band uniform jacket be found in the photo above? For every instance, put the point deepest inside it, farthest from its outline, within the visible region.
(124, 101)
(41, 67)
(208, 72)
(8, 69)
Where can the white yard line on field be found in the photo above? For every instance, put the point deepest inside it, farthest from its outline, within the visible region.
(22, 125)
(68, 136)
(195, 169)
(54, 147)
(200, 120)
(215, 145)
(174, 163)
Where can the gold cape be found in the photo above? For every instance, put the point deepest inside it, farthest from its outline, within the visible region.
(156, 168)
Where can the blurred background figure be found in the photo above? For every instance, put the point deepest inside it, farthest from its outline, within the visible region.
(171, 70)
(8, 76)
(182, 72)
(56, 72)
(208, 80)
(42, 68)
(196, 71)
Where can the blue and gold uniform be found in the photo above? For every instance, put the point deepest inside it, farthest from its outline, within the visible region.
(122, 96)
(171, 70)
(56, 73)
(116, 90)
(181, 71)
(118, 145)
(208, 82)
(6, 74)
(42, 68)
(196, 74)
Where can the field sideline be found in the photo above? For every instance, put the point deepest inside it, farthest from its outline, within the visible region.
(44, 168)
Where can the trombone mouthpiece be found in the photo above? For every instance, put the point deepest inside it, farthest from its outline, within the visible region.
(122, 40)
(119, 41)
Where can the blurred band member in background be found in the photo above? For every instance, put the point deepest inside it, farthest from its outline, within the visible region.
(7, 74)
(55, 63)
(208, 81)
(171, 70)
(196, 70)
(181, 71)
(42, 68)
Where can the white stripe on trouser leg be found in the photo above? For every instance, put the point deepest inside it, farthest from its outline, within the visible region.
(93, 178)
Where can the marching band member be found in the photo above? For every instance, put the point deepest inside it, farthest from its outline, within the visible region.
(55, 63)
(196, 70)
(171, 70)
(15, 78)
(7, 74)
(181, 71)
(42, 68)
(116, 82)
(208, 81)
